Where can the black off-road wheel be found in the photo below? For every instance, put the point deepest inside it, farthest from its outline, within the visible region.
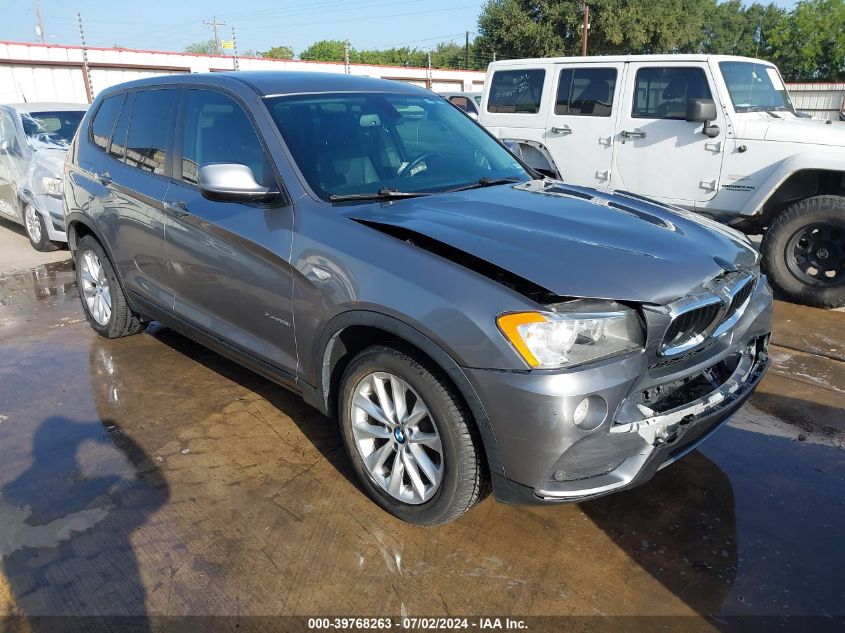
(804, 252)
(101, 293)
(412, 443)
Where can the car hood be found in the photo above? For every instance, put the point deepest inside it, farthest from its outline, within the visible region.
(762, 127)
(574, 241)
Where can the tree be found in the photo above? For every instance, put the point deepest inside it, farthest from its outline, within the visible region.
(202, 48)
(325, 51)
(810, 45)
(278, 52)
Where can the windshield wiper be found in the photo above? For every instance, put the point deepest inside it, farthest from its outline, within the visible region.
(384, 193)
(484, 181)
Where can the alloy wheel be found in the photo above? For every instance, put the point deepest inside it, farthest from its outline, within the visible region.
(95, 287)
(397, 438)
(816, 254)
(33, 223)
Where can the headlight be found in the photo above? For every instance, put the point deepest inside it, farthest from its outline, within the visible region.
(52, 186)
(572, 333)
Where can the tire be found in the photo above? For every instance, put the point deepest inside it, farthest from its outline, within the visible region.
(809, 232)
(95, 276)
(462, 471)
(36, 230)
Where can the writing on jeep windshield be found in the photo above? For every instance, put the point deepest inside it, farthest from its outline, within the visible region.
(363, 143)
(755, 87)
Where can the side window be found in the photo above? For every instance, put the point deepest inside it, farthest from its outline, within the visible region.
(516, 91)
(7, 132)
(152, 117)
(103, 123)
(585, 91)
(118, 141)
(662, 93)
(217, 130)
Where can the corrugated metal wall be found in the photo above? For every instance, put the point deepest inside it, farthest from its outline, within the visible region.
(37, 72)
(822, 101)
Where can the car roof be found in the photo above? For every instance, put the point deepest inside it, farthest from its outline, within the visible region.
(46, 106)
(280, 82)
(597, 59)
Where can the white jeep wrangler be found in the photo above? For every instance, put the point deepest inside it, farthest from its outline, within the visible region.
(710, 133)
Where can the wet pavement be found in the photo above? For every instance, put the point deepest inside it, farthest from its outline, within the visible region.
(147, 476)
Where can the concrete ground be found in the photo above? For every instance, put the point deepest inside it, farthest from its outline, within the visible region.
(148, 477)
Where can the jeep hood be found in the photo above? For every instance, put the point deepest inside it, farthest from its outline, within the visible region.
(761, 127)
(573, 241)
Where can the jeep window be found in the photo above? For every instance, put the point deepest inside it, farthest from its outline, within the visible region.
(55, 128)
(152, 118)
(104, 119)
(755, 87)
(662, 93)
(585, 91)
(354, 143)
(217, 130)
(516, 91)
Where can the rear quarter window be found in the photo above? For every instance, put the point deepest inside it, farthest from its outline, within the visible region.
(516, 91)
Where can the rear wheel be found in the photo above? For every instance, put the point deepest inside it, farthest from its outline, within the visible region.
(101, 294)
(36, 230)
(410, 439)
(804, 252)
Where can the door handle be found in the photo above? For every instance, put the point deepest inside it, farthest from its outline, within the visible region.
(633, 134)
(104, 178)
(178, 208)
(563, 129)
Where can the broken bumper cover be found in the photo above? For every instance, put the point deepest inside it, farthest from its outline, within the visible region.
(547, 458)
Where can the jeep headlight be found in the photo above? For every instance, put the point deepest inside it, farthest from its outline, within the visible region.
(572, 333)
(52, 186)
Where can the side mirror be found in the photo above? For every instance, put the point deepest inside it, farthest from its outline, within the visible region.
(4, 146)
(231, 182)
(701, 110)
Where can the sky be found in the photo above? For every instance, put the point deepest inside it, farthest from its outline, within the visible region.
(260, 24)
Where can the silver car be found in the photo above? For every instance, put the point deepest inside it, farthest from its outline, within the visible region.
(34, 139)
(469, 323)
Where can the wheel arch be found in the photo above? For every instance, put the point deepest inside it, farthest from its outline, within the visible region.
(350, 332)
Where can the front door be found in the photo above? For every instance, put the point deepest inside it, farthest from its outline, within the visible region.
(580, 127)
(229, 260)
(658, 152)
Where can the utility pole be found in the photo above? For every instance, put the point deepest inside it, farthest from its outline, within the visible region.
(214, 24)
(86, 70)
(466, 52)
(39, 23)
(346, 68)
(235, 49)
(585, 28)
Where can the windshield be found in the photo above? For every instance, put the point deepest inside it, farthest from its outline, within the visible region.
(755, 87)
(351, 143)
(56, 128)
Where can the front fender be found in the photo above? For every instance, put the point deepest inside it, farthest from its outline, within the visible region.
(813, 160)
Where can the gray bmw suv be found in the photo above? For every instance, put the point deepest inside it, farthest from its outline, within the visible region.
(469, 324)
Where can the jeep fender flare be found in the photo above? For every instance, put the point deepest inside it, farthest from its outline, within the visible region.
(319, 397)
(817, 160)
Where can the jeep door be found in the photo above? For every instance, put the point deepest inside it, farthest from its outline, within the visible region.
(229, 260)
(124, 164)
(581, 122)
(658, 152)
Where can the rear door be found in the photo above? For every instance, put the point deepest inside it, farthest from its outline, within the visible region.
(230, 261)
(658, 152)
(581, 122)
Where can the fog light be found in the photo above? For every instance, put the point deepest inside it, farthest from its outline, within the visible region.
(590, 413)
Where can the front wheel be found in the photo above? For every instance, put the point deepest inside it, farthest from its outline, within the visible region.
(804, 252)
(36, 230)
(411, 441)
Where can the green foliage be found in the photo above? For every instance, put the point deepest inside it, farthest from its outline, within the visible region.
(324, 51)
(202, 48)
(278, 52)
(810, 46)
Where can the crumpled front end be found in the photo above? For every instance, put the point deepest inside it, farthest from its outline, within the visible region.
(644, 410)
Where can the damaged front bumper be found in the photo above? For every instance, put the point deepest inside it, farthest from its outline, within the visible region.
(655, 414)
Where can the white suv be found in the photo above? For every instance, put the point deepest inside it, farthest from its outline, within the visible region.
(710, 133)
